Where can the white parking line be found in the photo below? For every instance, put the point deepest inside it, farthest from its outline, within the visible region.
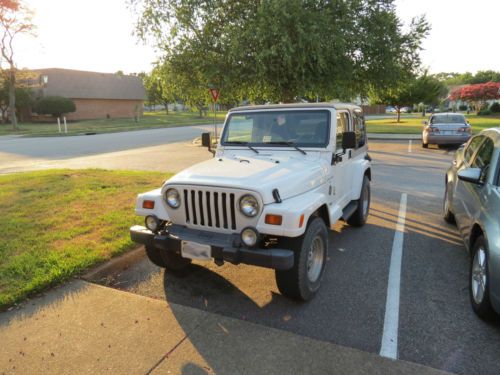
(409, 145)
(389, 346)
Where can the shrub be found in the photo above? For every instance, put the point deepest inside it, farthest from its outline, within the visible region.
(495, 107)
(484, 112)
(54, 105)
(462, 107)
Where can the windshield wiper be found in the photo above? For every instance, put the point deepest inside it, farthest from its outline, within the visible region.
(287, 143)
(242, 144)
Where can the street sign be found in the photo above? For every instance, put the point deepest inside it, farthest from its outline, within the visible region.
(215, 94)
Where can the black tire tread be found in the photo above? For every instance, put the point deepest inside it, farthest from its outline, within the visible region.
(357, 219)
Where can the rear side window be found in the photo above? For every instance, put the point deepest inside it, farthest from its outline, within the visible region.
(471, 148)
(342, 126)
(360, 128)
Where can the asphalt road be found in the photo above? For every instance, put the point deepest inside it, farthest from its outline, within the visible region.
(436, 325)
(127, 150)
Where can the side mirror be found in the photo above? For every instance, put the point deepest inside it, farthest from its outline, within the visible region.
(348, 140)
(206, 141)
(472, 175)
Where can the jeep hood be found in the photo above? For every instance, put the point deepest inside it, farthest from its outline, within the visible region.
(290, 175)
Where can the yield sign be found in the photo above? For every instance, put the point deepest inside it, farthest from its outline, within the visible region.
(215, 94)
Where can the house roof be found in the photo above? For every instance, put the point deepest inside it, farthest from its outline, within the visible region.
(78, 84)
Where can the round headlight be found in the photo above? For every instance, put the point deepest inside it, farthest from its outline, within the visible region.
(249, 237)
(173, 198)
(152, 223)
(249, 206)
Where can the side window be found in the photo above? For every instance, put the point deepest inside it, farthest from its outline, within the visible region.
(359, 128)
(483, 158)
(471, 148)
(342, 126)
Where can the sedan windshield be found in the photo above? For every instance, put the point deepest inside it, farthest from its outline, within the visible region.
(278, 128)
(448, 119)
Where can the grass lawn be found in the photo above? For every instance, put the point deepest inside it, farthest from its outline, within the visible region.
(409, 125)
(56, 223)
(149, 120)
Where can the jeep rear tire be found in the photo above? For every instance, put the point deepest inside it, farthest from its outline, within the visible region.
(303, 280)
(359, 217)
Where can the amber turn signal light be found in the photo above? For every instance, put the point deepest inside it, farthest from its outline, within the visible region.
(148, 204)
(274, 219)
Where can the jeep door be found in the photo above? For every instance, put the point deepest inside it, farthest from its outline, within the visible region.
(342, 177)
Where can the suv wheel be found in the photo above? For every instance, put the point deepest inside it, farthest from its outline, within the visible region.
(479, 281)
(167, 259)
(360, 216)
(303, 280)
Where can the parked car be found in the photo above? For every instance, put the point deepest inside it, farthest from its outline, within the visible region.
(282, 176)
(446, 128)
(472, 200)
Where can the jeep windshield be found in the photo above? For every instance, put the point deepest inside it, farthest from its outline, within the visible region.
(278, 129)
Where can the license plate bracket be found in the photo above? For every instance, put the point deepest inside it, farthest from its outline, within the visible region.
(195, 250)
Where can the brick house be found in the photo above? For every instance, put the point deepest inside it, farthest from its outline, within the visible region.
(96, 95)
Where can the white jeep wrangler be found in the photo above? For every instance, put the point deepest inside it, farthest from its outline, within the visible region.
(281, 177)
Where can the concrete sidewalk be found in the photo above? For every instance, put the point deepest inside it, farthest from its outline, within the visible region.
(83, 328)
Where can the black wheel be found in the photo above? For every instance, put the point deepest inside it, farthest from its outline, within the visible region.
(425, 145)
(154, 256)
(174, 262)
(166, 259)
(447, 212)
(479, 280)
(359, 217)
(311, 249)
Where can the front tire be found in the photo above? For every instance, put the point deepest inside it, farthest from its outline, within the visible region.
(359, 217)
(448, 215)
(479, 280)
(303, 280)
(167, 259)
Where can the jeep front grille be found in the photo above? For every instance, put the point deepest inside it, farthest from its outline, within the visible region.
(209, 208)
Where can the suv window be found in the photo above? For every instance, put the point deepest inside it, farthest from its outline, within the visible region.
(307, 128)
(359, 128)
(342, 126)
(471, 148)
(483, 158)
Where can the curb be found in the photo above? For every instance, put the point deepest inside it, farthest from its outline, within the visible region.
(114, 265)
(395, 137)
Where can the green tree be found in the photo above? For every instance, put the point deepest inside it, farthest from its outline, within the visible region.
(425, 89)
(161, 85)
(279, 50)
(54, 105)
(15, 19)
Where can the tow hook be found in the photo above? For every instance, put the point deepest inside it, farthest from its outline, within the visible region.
(219, 262)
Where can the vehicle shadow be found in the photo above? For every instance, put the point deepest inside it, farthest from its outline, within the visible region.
(349, 309)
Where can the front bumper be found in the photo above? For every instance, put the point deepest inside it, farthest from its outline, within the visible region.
(224, 247)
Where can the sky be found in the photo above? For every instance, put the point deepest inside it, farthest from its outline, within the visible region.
(96, 35)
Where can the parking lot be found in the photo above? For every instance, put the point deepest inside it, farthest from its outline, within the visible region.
(429, 321)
